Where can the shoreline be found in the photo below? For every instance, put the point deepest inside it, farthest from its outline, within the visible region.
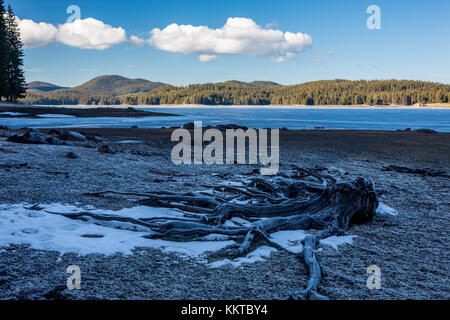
(189, 106)
(193, 106)
(37, 112)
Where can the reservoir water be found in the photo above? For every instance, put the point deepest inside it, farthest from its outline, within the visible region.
(261, 117)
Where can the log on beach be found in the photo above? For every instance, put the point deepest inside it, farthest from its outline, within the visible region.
(309, 203)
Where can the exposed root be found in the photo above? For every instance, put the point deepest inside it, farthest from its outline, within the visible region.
(301, 201)
(315, 273)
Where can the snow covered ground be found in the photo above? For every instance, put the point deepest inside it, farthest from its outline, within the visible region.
(14, 114)
(55, 116)
(384, 209)
(44, 229)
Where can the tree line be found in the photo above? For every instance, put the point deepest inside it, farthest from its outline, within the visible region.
(12, 79)
(327, 92)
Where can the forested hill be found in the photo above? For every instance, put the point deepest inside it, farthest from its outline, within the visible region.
(42, 87)
(327, 92)
(113, 86)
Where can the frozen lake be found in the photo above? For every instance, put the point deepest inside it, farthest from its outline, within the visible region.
(262, 117)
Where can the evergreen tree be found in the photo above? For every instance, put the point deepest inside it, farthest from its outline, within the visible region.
(4, 54)
(16, 78)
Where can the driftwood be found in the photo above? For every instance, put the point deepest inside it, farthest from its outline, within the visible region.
(306, 202)
(422, 171)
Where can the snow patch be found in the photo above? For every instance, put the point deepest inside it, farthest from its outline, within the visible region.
(335, 241)
(13, 114)
(55, 116)
(143, 212)
(233, 183)
(230, 224)
(216, 237)
(241, 202)
(386, 210)
(43, 229)
(24, 224)
(256, 256)
(290, 240)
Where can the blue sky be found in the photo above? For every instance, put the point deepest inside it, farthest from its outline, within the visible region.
(413, 43)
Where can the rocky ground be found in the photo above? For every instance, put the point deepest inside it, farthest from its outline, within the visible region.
(411, 248)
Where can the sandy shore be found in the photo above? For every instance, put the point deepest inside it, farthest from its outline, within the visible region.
(411, 248)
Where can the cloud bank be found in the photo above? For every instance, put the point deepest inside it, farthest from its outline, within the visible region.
(90, 34)
(84, 34)
(239, 36)
(139, 42)
(36, 35)
(207, 58)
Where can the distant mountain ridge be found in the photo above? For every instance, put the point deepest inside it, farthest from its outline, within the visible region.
(40, 86)
(113, 85)
(257, 84)
(117, 90)
(116, 86)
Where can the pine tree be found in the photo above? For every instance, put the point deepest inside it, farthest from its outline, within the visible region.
(16, 78)
(4, 54)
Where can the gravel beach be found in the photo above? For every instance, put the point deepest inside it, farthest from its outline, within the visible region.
(411, 248)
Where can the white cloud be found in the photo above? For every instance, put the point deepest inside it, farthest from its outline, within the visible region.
(207, 58)
(35, 35)
(85, 34)
(90, 34)
(139, 42)
(273, 24)
(237, 36)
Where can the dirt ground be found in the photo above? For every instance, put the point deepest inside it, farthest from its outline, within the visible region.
(411, 248)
